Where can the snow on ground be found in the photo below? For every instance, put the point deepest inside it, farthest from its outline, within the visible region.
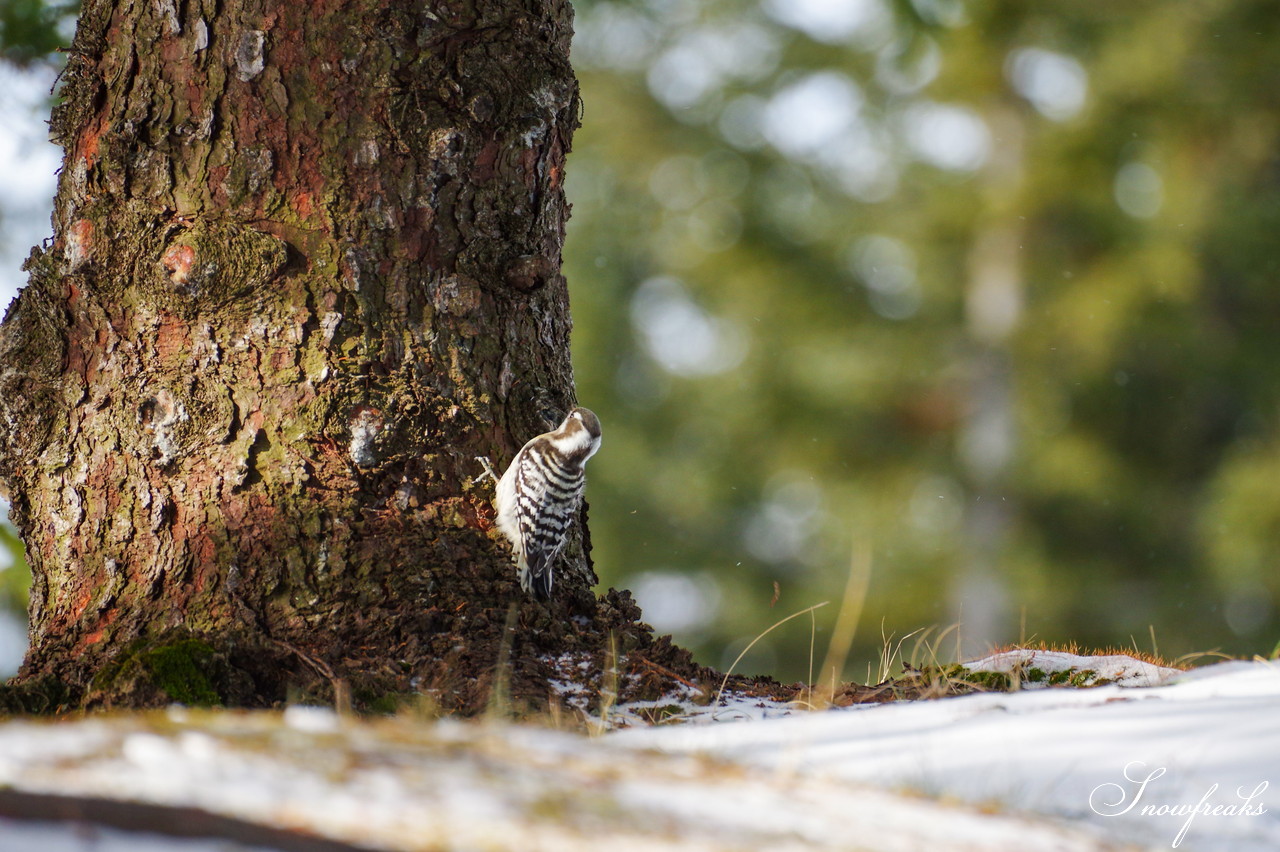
(1144, 765)
(685, 703)
(1189, 763)
(1033, 669)
(405, 784)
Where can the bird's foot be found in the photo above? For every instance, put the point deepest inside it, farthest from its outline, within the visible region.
(488, 471)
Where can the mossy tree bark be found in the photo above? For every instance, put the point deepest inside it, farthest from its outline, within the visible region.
(305, 268)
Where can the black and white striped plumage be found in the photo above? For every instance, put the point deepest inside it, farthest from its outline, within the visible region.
(539, 495)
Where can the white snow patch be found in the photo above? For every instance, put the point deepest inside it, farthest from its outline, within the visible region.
(1119, 669)
(681, 704)
(1054, 769)
(399, 784)
(1206, 739)
(312, 720)
(689, 705)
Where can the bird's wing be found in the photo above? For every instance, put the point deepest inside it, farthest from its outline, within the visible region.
(544, 524)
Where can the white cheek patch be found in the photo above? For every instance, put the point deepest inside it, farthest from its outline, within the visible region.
(573, 443)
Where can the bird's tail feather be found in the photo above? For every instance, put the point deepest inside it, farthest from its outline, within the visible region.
(542, 585)
(534, 581)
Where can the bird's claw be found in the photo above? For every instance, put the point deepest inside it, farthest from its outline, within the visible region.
(488, 471)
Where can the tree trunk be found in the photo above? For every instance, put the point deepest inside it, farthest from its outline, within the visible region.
(305, 269)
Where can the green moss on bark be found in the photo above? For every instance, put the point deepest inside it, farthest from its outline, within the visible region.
(177, 668)
(180, 670)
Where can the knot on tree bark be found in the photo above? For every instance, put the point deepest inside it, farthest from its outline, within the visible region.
(212, 265)
(530, 272)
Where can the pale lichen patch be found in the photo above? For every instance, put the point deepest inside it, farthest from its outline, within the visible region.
(249, 57)
(367, 154)
(328, 325)
(162, 417)
(366, 426)
(169, 13)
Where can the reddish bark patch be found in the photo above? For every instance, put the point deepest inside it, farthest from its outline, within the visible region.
(204, 553)
(282, 358)
(218, 185)
(88, 584)
(418, 237)
(194, 90)
(90, 140)
(247, 512)
(102, 477)
(78, 348)
(79, 243)
(99, 632)
(529, 166)
(173, 339)
(303, 204)
(179, 260)
(482, 171)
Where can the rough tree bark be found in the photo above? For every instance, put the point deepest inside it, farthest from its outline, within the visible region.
(305, 268)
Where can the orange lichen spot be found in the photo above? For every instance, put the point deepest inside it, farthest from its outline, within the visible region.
(89, 141)
(179, 260)
(99, 631)
(84, 596)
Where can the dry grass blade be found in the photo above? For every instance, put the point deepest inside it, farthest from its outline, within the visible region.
(608, 689)
(776, 624)
(500, 696)
(846, 627)
(889, 652)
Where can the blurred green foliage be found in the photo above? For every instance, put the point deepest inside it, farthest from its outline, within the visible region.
(15, 576)
(990, 287)
(31, 30)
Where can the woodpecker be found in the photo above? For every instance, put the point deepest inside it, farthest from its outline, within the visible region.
(539, 495)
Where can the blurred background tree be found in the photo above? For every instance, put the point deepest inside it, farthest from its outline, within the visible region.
(987, 286)
(987, 289)
(32, 30)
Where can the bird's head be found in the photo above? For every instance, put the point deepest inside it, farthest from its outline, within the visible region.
(579, 434)
(586, 418)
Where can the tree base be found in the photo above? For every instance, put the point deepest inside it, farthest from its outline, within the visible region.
(514, 663)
